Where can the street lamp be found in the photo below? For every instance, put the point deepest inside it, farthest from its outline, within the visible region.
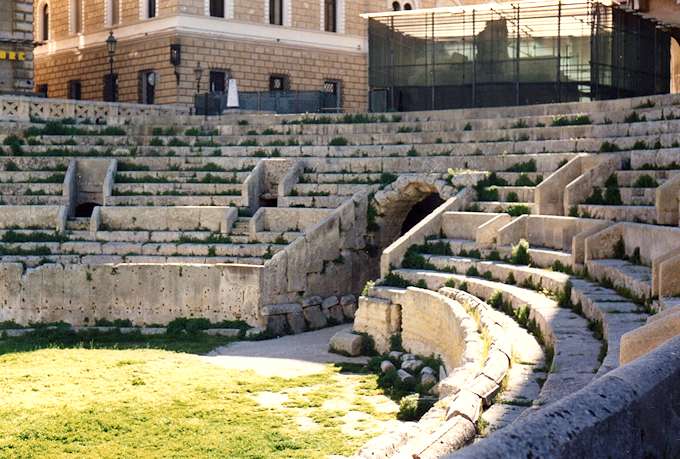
(198, 73)
(111, 43)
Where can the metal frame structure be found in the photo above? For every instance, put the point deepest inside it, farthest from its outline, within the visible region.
(514, 54)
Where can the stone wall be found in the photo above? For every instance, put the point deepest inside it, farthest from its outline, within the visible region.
(631, 412)
(329, 259)
(143, 293)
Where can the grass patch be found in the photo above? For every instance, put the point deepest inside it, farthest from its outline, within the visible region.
(151, 403)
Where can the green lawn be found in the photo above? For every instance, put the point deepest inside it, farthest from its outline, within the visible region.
(152, 403)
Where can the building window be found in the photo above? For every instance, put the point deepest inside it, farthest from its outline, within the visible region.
(147, 87)
(45, 22)
(218, 81)
(330, 15)
(75, 90)
(148, 9)
(41, 89)
(217, 8)
(278, 83)
(76, 16)
(407, 6)
(332, 95)
(276, 12)
(396, 6)
(113, 12)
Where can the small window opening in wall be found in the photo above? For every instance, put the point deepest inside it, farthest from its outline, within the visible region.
(407, 6)
(276, 12)
(75, 90)
(278, 83)
(85, 209)
(41, 89)
(218, 81)
(217, 8)
(421, 210)
(396, 6)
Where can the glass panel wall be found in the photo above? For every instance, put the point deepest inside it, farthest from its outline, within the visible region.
(515, 54)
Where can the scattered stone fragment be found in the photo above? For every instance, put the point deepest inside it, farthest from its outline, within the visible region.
(412, 366)
(407, 357)
(254, 332)
(386, 366)
(347, 343)
(428, 379)
(405, 377)
(395, 355)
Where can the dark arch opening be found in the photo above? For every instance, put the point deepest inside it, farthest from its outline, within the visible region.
(421, 210)
(85, 209)
(407, 7)
(396, 6)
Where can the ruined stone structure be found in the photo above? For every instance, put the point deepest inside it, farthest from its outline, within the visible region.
(533, 249)
(16, 46)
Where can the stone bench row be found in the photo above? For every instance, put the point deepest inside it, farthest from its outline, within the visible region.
(575, 349)
(33, 261)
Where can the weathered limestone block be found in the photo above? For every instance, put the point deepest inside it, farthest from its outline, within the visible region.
(349, 306)
(315, 317)
(386, 366)
(380, 319)
(405, 377)
(645, 339)
(345, 342)
(296, 321)
(467, 404)
(277, 324)
(451, 436)
(228, 332)
(663, 314)
(412, 365)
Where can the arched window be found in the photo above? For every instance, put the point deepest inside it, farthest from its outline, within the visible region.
(45, 22)
(396, 6)
(407, 6)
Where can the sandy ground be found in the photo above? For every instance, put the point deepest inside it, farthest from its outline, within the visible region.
(288, 357)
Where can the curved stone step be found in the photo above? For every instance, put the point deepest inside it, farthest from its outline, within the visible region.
(575, 349)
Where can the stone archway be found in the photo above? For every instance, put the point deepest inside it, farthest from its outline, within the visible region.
(394, 203)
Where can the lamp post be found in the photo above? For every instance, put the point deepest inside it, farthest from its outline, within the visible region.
(111, 43)
(198, 73)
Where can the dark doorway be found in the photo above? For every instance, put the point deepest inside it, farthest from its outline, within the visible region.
(85, 210)
(421, 210)
(268, 202)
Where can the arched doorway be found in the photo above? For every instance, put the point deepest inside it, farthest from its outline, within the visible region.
(85, 209)
(420, 210)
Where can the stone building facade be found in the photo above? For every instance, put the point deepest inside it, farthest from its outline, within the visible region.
(16, 46)
(263, 44)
